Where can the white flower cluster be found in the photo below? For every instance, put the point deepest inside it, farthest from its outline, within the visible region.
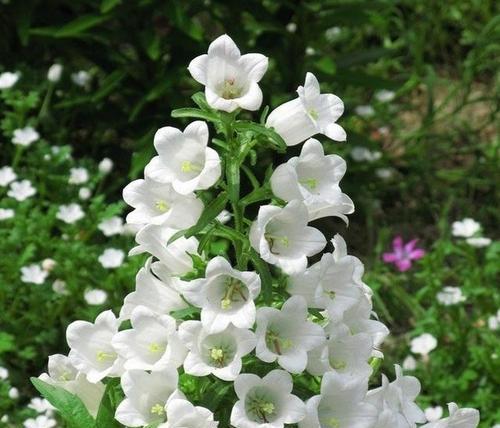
(325, 327)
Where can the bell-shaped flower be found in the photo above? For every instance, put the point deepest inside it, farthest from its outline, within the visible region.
(358, 320)
(151, 344)
(184, 160)
(146, 395)
(91, 350)
(459, 418)
(282, 237)
(230, 79)
(314, 178)
(182, 414)
(159, 296)
(399, 397)
(218, 353)
(341, 404)
(225, 296)
(286, 335)
(159, 203)
(63, 374)
(175, 256)
(310, 114)
(343, 352)
(266, 402)
(335, 282)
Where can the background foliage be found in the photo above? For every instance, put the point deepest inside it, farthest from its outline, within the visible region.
(438, 138)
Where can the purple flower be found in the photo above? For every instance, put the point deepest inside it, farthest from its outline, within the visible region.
(402, 254)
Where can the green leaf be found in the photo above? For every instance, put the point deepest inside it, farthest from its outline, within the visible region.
(7, 342)
(106, 413)
(200, 100)
(265, 276)
(211, 211)
(71, 29)
(71, 408)
(196, 113)
(185, 313)
(270, 135)
(107, 5)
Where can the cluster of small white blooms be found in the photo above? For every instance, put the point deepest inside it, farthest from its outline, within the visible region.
(450, 296)
(111, 226)
(325, 326)
(78, 175)
(470, 230)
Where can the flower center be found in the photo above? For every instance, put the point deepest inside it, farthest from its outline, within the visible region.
(235, 292)
(312, 183)
(275, 342)
(102, 356)
(188, 166)
(162, 206)
(218, 356)
(158, 409)
(154, 348)
(230, 90)
(262, 409)
(274, 240)
(338, 364)
(313, 113)
(333, 423)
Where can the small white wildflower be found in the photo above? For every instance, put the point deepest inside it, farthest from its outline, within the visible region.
(423, 344)
(33, 274)
(13, 393)
(78, 175)
(385, 96)
(25, 136)
(111, 258)
(81, 78)
(8, 79)
(478, 242)
(409, 363)
(364, 111)
(6, 213)
(111, 226)
(21, 190)
(450, 296)
(291, 27)
(4, 373)
(59, 287)
(70, 213)
(95, 296)
(48, 264)
(54, 73)
(465, 228)
(84, 193)
(7, 175)
(105, 166)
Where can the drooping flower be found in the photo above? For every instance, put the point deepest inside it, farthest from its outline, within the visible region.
(70, 213)
(175, 256)
(25, 136)
(385, 96)
(314, 178)
(266, 402)
(158, 203)
(7, 175)
(60, 287)
(465, 228)
(33, 274)
(182, 414)
(13, 393)
(91, 350)
(111, 226)
(309, 114)
(4, 373)
(450, 296)
(48, 264)
(225, 296)
(364, 111)
(8, 79)
(78, 175)
(423, 344)
(286, 335)
(409, 363)
(230, 79)
(95, 296)
(63, 374)
(151, 344)
(146, 395)
(397, 399)
(184, 160)
(403, 255)
(111, 258)
(54, 73)
(341, 404)
(478, 241)
(282, 237)
(335, 282)
(160, 296)
(6, 213)
(218, 353)
(84, 193)
(363, 154)
(81, 78)
(459, 418)
(105, 166)
(21, 190)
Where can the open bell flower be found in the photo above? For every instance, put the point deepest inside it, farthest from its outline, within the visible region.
(341, 404)
(310, 114)
(286, 335)
(91, 350)
(146, 395)
(151, 344)
(159, 203)
(184, 160)
(314, 178)
(230, 79)
(63, 374)
(182, 414)
(219, 353)
(175, 256)
(282, 237)
(225, 296)
(459, 418)
(266, 402)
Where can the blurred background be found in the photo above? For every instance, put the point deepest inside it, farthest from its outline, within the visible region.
(420, 82)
